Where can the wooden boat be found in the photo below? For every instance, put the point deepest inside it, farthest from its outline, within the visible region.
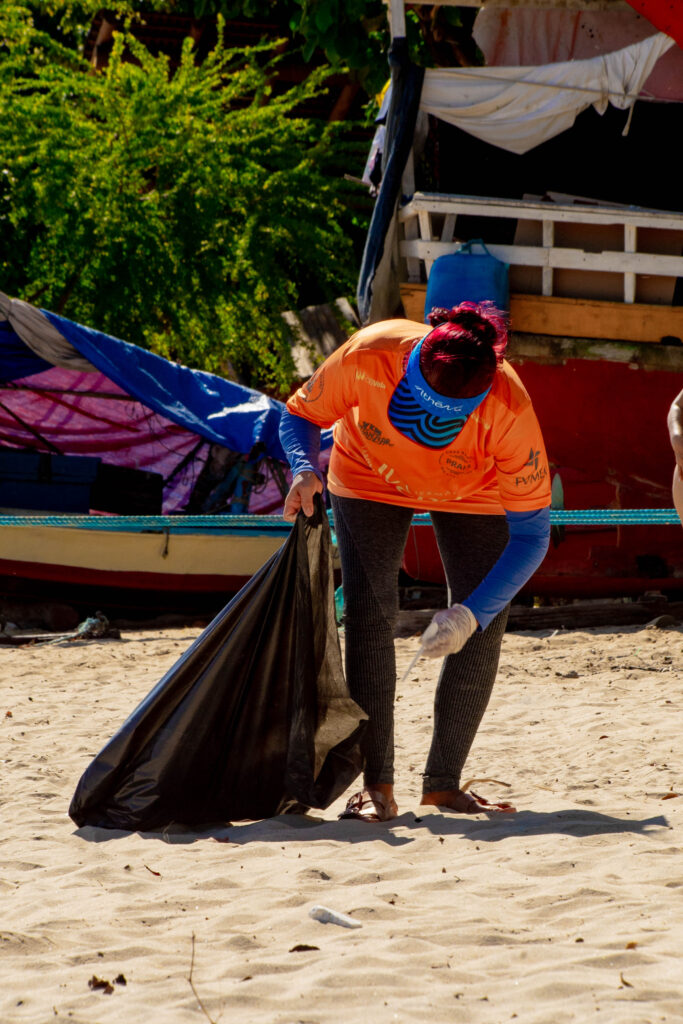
(133, 562)
(596, 284)
(127, 481)
(188, 555)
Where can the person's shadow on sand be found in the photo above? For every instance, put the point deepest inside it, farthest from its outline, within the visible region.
(489, 828)
(570, 822)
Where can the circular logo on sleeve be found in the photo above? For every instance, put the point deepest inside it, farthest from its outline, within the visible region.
(313, 388)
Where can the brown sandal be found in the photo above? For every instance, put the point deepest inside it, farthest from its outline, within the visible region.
(462, 802)
(370, 805)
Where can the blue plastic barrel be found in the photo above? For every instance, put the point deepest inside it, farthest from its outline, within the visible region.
(467, 276)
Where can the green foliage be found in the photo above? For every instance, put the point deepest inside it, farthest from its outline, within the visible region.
(181, 212)
(349, 32)
(352, 34)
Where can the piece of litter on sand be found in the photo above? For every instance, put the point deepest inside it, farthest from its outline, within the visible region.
(475, 782)
(412, 664)
(431, 630)
(327, 916)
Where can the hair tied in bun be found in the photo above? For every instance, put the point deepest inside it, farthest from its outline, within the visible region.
(460, 355)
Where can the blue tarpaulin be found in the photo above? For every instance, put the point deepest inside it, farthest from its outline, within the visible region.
(64, 387)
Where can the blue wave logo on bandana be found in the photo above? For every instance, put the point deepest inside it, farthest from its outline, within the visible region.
(422, 414)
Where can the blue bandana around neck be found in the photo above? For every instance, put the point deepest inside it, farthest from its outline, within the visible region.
(422, 414)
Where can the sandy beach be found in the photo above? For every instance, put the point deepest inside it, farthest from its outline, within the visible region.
(570, 910)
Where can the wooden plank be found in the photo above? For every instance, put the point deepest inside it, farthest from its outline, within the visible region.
(578, 318)
(592, 318)
(528, 209)
(413, 298)
(448, 228)
(425, 221)
(413, 265)
(630, 245)
(558, 258)
(411, 231)
(548, 242)
(619, 262)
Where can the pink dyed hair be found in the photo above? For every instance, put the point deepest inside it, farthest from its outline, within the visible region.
(460, 356)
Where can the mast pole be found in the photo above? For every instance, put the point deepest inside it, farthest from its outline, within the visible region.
(397, 19)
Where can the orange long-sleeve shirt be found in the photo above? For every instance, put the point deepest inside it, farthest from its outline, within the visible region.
(496, 462)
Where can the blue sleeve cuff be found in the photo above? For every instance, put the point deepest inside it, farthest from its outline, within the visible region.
(301, 442)
(521, 557)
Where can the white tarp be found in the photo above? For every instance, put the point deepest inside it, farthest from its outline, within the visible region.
(520, 36)
(518, 108)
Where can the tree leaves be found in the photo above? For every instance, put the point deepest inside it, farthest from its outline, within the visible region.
(183, 212)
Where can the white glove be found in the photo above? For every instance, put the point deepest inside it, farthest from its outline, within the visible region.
(448, 632)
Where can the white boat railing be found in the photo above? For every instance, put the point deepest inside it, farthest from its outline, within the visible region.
(430, 230)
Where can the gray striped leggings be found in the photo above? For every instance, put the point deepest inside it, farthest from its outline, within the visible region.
(371, 538)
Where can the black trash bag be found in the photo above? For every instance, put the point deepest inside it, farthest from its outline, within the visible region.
(252, 720)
